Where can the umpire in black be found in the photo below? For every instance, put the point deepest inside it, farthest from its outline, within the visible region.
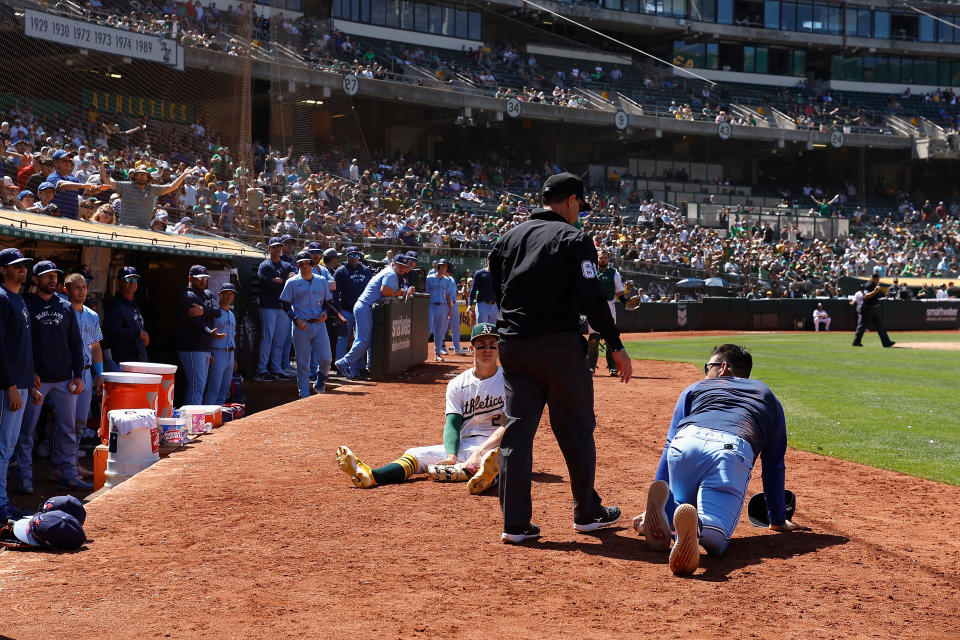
(544, 275)
(870, 313)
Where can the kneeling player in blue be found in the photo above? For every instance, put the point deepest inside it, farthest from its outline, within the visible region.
(720, 426)
(471, 437)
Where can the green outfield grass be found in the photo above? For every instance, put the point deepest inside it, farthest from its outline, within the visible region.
(889, 408)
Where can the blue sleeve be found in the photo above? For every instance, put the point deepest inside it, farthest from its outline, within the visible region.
(774, 467)
(287, 294)
(391, 280)
(6, 377)
(76, 344)
(473, 290)
(680, 411)
(115, 325)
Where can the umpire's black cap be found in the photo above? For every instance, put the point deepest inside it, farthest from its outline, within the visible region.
(563, 185)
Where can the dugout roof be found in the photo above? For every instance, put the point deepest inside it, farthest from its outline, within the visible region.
(19, 224)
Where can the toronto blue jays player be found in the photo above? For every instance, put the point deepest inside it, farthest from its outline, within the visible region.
(481, 294)
(303, 298)
(454, 323)
(386, 284)
(224, 349)
(351, 279)
(91, 334)
(441, 307)
(16, 364)
(58, 377)
(720, 426)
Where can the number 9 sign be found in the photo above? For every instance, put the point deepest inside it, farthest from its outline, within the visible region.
(620, 120)
(350, 84)
(514, 107)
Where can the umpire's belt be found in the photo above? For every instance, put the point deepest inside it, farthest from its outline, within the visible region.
(729, 440)
(227, 349)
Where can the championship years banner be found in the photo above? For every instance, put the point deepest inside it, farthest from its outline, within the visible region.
(87, 35)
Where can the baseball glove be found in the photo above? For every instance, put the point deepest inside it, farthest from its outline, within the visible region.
(632, 303)
(449, 472)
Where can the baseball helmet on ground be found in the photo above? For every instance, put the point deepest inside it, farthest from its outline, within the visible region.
(757, 508)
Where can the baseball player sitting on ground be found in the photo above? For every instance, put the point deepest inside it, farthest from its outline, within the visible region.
(471, 437)
(720, 426)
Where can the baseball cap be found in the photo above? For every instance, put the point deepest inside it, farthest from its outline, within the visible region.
(45, 266)
(126, 273)
(26, 193)
(401, 258)
(413, 255)
(61, 154)
(330, 253)
(12, 256)
(55, 529)
(287, 238)
(483, 329)
(352, 251)
(228, 286)
(68, 504)
(45, 185)
(564, 185)
(315, 247)
(304, 256)
(275, 242)
(186, 220)
(198, 271)
(443, 261)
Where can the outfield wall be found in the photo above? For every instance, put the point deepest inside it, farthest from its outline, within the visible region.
(785, 314)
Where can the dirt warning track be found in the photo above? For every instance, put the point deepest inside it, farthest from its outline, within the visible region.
(253, 532)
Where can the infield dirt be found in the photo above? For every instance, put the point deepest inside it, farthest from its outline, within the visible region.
(253, 532)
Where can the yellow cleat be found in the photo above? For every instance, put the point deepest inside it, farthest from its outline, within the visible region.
(487, 473)
(360, 474)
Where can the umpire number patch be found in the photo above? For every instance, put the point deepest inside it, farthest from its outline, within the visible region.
(589, 270)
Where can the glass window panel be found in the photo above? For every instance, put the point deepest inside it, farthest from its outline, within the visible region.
(436, 19)
(944, 32)
(475, 29)
(852, 22)
(944, 78)
(762, 60)
(354, 10)
(378, 12)
(880, 72)
(725, 11)
(804, 17)
(462, 26)
(689, 55)
(406, 14)
(834, 19)
(612, 4)
(631, 5)
(893, 69)
(703, 10)
(906, 70)
(818, 19)
(881, 24)
(846, 68)
(749, 59)
(930, 70)
(421, 15)
(926, 29)
(788, 16)
(955, 79)
(449, 20)
(391, 13)
(864, 22)
(335, 9)
(799, 62)
(712, 57)
(771, 14)
(869, 68)
(364, 9)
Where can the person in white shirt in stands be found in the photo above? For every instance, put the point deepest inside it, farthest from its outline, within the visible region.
(821, 317)
(942, 293)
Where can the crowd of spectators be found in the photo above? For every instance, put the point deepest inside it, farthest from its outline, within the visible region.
(399, 201)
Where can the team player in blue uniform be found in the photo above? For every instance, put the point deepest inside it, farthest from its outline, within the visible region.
(16, 365)
(454, 322)
(274, 324)
(58, 377)
(90, 333)
(351, 279)
(221, 365)
(123, 323)
(481, 294)
(196, 332)
(386, 284)
(304, 297)
(720, 426)
(441, 307)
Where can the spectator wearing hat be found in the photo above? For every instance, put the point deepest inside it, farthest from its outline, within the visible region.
(304, 298)
(196, 332)
(16, 364)
(222, 363)
(90, 333)
(311, 227)
(350, 279)
(123, 323)
(25, 200)
(44, 203)
(139, 197)
(159, 222)
(66, 184)
(226, 214)
(184, 226)
(386, 284)
(274, 324)
(27, 169)
(408, 233)
(36, 179)
(58, 377)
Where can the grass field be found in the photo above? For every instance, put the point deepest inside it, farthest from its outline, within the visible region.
(889, 408)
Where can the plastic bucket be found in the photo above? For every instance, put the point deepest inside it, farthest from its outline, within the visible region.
(211, 412)
(130, 454)
(125, 390)
(167, 373)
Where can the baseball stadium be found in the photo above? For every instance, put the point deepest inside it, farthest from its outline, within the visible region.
(684, 275)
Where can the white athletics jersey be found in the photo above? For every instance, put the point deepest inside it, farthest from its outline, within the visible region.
(480, 402)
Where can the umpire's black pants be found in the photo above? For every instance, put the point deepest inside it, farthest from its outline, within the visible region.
(551, 370)
(871, 315)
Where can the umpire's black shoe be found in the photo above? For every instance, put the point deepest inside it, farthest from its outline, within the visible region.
(889, 344)
(606, 517)
(517, 535)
